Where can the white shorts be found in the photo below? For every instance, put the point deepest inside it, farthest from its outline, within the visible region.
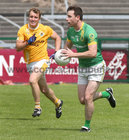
(38, 66)
(95, 73)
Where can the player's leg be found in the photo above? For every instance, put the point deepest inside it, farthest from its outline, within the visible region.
(49, 93)
(108, 94)
(103, 94)
(89, 104)
(81, 93)
(91, 89)
(86, 94)
(98, 75)
(82, 85)
(33, 80)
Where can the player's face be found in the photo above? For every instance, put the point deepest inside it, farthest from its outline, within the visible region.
(33, 19)
(71, 19)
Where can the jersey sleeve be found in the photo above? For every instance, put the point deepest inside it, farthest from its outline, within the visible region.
(49, 31)
(20, 35)
(92, 37)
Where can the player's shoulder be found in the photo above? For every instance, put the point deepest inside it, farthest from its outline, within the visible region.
(24, 27)
(89, 29)
(44, 26)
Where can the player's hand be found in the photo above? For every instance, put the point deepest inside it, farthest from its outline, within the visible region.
(31, 39)
(68, 53)
(53, 55)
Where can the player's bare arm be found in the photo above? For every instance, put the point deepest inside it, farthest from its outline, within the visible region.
(68, 44)
(20, 45)
(57, 39)
(91, 53)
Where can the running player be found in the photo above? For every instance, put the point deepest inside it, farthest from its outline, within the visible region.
(32, 39)
(92, 67)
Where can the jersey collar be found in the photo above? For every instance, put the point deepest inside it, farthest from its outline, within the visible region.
(82, 25)
(33, 28)
(80, 28)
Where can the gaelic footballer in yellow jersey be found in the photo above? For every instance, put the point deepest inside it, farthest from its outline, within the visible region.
(38, 49)
(32, 40)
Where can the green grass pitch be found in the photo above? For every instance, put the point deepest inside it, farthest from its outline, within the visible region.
(16, 122)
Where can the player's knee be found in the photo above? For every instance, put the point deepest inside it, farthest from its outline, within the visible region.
(82, 101)
(32, 81)
(45, 90)
(88, 98)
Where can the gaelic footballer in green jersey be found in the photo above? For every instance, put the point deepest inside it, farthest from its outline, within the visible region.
(81, 39)
(91, 64)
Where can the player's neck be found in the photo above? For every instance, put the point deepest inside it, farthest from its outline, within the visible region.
(32, 27)
(78, 26)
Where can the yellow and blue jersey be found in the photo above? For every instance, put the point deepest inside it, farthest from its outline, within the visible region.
(38, 49)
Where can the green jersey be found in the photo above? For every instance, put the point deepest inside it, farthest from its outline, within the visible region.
(82, 39)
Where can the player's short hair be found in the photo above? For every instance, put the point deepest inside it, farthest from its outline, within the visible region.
(77, 11)
(35, 10)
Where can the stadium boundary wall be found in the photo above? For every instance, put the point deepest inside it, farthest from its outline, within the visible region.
(114, 51)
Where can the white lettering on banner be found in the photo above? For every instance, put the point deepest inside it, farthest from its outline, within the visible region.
(74, 61)
(115, 67)
(62, 71)
(7, 67)
(22, 60)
